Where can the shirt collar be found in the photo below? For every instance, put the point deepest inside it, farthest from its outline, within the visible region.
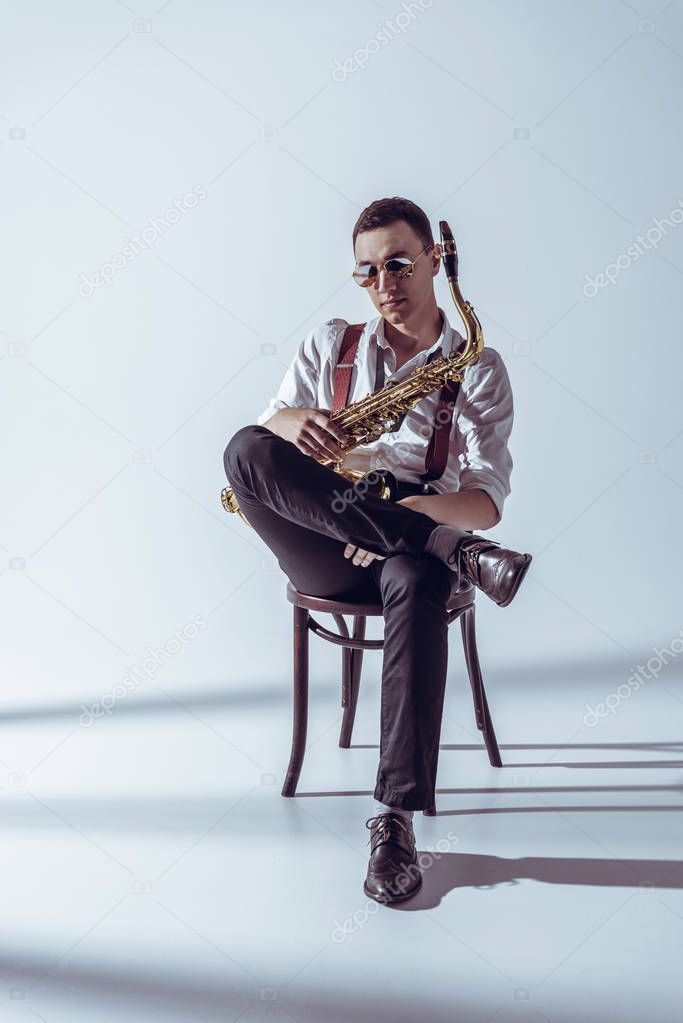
(444, 341)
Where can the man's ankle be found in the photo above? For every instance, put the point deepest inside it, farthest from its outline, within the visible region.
(380, 807)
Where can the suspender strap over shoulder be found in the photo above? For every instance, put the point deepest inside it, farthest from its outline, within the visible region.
(437, 452)
(344, 368)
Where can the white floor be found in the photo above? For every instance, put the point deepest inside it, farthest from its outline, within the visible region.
(152, 871)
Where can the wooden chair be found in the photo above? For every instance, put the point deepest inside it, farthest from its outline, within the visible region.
(461, 605)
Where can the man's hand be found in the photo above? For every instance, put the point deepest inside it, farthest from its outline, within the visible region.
(310, 430)
(364, 558)
(361, 557)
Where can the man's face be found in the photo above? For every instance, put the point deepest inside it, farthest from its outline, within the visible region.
(399, 301)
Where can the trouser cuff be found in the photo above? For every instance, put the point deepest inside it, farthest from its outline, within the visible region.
(413, 800)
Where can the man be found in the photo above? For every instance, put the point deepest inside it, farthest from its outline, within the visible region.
(413, 552)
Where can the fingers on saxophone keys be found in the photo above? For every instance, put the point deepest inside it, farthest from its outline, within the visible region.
(316, 446)
(307, 448)
(335, 434)
(328, 445)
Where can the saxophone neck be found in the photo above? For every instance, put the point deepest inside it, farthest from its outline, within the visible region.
(473, 329)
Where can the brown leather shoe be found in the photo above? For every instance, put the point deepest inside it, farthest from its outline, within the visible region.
(393, 871)
(494, 569)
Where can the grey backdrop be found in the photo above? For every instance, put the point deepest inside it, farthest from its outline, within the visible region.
(178, 186)
(547, 133)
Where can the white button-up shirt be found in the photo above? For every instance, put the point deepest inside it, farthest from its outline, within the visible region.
(478, 456)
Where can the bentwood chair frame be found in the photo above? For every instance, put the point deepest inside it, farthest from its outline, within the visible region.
(461, 605)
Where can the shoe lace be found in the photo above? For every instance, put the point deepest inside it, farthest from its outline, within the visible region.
(388, 827)
(469, 552)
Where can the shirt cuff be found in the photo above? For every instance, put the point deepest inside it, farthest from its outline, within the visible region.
(490, 486)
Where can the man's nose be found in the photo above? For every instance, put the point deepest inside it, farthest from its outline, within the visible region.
(385, 281)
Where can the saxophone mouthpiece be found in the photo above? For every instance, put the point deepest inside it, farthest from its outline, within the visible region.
(449, 250)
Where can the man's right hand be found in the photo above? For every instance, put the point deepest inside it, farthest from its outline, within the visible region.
(310, 430)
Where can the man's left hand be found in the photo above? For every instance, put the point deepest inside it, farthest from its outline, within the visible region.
(365, 558)
(361, 557)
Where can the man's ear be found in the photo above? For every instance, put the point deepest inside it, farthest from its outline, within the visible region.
(437, 255)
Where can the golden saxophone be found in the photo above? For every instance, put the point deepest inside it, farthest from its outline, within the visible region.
(382, 411)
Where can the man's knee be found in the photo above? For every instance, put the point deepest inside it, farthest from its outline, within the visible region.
(416, 577)
(242, 447)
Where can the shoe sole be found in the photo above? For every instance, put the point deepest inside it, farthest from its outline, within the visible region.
(394, 898)
(517, 583)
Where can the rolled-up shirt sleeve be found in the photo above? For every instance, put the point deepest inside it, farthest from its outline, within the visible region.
(299, 387)
(483, 428)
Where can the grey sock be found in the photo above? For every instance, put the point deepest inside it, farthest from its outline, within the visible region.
(383, 808)
(443, 542)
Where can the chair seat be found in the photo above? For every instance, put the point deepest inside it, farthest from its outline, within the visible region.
(461, 598)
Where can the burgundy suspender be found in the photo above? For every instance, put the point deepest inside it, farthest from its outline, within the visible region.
(437, 451)
(344, 368)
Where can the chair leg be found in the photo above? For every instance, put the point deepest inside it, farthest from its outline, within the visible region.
(300, 721)
(353, 663)
(481, 707)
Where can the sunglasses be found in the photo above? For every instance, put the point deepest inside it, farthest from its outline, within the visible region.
(399, 267)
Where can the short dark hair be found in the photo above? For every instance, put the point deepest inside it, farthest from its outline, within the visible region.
(382, 212)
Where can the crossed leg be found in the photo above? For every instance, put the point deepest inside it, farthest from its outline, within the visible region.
(288, 498)
(262, 466)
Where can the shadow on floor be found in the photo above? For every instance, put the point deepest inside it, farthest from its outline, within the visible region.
(471, 870)
(158, 703)
(213, 989)
(675, 746)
